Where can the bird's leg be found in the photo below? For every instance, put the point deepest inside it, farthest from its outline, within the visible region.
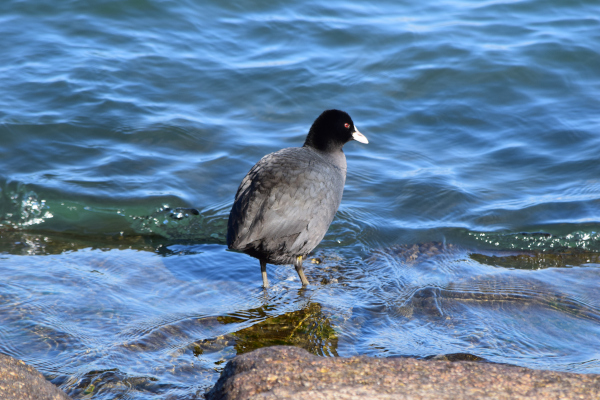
(300, 271)
(263, 270)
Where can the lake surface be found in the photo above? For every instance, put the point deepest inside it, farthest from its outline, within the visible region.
(469, 227)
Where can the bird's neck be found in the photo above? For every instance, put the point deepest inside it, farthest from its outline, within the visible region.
(336, 158)
(322, 143)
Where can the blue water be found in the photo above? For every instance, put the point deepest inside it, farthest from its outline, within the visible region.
(470, 223)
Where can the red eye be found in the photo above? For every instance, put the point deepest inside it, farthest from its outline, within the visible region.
(347, 125)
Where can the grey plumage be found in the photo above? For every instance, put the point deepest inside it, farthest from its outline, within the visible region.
(285, 204)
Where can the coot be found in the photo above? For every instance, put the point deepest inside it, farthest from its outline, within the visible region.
(287, 201)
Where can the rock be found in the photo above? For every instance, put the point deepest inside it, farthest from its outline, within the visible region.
(23, 382)
(282, 372)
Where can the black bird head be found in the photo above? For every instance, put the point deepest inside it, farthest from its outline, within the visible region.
(332, 130)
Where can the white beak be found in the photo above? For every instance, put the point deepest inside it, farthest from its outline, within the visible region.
(359, 137)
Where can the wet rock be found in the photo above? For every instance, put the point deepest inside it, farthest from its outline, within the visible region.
(291, 373)
(21, 381)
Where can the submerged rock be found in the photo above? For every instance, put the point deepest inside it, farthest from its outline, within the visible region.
(21, 381)
(282, 372)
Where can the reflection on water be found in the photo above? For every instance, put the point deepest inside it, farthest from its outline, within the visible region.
(444, 301)
(136, 321)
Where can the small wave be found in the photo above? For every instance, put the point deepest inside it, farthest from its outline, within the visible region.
(539, 241)
(183, 224)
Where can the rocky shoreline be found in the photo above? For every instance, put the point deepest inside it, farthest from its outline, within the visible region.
(282, 372)
(285, 372)
(19, 381)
